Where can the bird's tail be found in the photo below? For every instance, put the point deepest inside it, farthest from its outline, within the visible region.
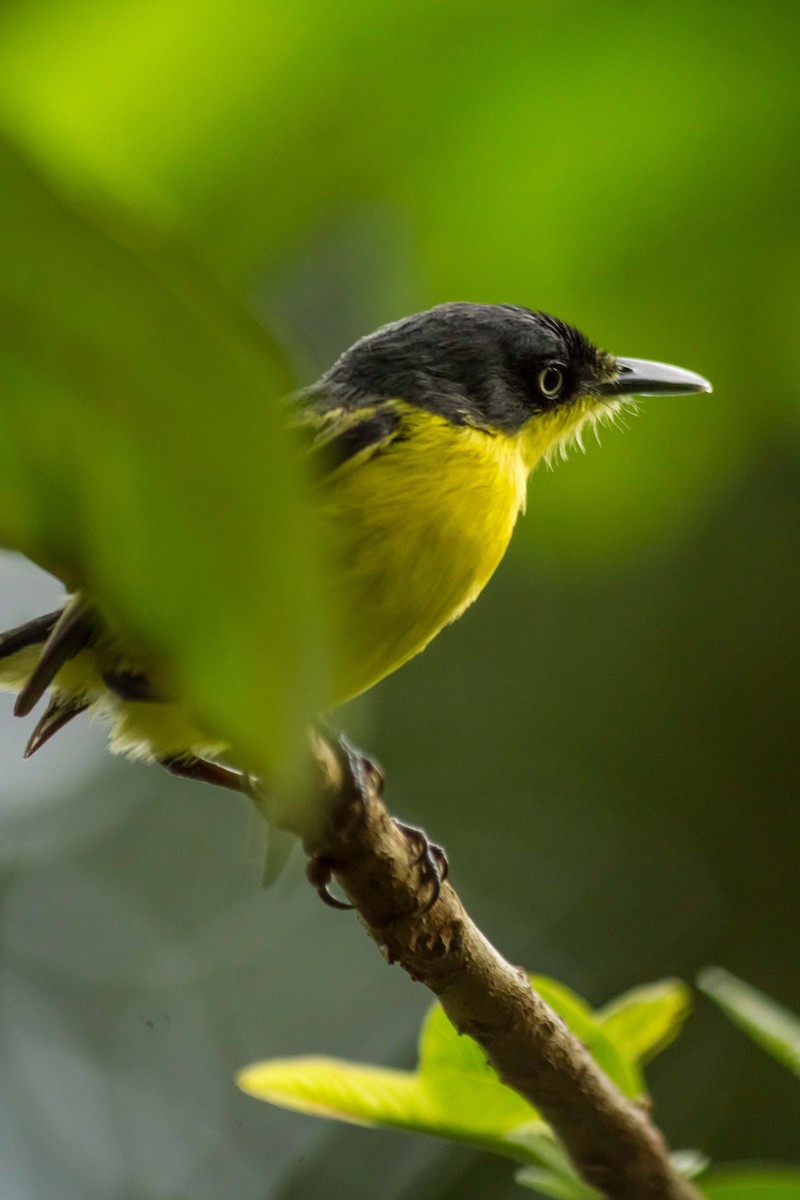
(31, 656)
(21, 649)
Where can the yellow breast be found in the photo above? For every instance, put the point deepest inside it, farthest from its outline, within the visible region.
(418, 530)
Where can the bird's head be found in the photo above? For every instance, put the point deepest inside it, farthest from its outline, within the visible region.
(504, 369)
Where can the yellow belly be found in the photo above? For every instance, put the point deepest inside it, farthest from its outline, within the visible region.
(418, 530)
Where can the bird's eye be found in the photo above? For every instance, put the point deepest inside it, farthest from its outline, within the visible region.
(550, 381)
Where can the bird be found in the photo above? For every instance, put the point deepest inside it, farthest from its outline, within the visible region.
(420, 439)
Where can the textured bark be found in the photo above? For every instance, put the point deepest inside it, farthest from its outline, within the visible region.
(351, 837)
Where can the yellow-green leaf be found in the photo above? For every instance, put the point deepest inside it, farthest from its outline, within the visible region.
(365, 1095)
(328, 1087)
(773, 1027)
(454, 1093)
(646, 1019)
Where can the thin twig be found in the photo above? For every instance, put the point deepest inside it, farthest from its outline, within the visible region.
(610, 1140)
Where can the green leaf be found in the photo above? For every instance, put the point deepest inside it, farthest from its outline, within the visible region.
(327, 1087)
(457, 1068)
(143, 456)
(753, 1183)
(455, 1093)
(773, 1027)
(365, 1095)
(645, 1020)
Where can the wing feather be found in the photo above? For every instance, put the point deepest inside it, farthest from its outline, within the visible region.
(337, 434)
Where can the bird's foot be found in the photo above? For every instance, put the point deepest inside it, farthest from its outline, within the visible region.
(358, 778)
(430, 859)
(354, 776)
(319, 873)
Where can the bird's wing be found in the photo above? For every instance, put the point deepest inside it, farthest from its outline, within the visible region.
(337, 436)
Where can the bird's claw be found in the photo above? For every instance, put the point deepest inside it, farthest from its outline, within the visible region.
(320, 872)
(362, 777)
(359, 777)
(430, 859)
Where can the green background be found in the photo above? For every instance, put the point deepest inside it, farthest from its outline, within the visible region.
(606, 744)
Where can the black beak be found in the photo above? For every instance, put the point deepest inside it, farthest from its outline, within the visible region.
(641, 378)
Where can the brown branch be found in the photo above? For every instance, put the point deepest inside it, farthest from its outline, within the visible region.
(611, 1141)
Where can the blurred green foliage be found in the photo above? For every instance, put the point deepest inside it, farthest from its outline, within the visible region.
(770, 1025)
(124, 468)
(754, 1184)
(607, 743)
(622, 167)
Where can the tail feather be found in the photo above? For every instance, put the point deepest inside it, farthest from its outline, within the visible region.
(32, 633)
(75, 628)
(60, 710)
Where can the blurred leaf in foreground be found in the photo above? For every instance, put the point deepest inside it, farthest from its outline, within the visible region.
(773, 1027)
(753, 1183)
(143, 456)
